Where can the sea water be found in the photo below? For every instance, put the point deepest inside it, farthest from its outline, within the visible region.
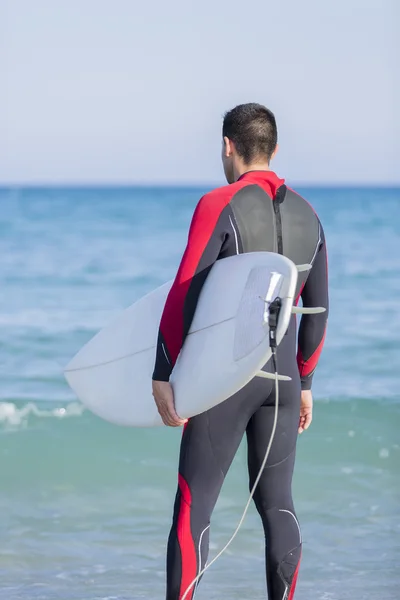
(85, 507)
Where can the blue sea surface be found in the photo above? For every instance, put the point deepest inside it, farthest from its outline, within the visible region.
(86, 506)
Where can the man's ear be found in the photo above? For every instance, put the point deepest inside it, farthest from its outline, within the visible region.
(228, 147)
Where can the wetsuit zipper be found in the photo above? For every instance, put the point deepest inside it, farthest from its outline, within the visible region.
(279, 198)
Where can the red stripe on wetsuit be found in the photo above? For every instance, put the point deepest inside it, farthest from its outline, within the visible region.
(294, 582)
(185, 539)
(203, 224)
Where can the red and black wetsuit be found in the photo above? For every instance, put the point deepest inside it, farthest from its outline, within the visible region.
(256, 213)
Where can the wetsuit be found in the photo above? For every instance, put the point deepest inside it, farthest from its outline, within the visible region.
(256, 213)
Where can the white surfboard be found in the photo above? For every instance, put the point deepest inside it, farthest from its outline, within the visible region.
(227, 345)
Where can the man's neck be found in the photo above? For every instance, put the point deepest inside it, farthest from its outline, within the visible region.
(240, 168)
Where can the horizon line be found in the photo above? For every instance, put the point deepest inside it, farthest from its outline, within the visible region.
(184, 185)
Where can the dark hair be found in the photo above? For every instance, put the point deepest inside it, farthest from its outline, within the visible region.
(252, 128)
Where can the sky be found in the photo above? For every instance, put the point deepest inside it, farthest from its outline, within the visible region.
(126, 91)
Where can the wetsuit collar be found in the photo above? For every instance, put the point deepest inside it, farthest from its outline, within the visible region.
(264, 179)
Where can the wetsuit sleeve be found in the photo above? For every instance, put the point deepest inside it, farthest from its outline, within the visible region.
(205, 240)
(312, 328)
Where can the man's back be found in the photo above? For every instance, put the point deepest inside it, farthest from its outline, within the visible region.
(256, 213)
(267, 216)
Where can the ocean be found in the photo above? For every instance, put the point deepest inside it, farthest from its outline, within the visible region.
(86, 506)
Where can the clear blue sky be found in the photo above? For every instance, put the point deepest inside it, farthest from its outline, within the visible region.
(125, 91)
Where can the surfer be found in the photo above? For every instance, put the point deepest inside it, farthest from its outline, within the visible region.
(254, 212)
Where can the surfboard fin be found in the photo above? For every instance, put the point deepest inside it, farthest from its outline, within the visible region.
(272, 376)
(311, 310)
(302, 268)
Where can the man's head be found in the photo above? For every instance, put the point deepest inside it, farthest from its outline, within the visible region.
(250, 139)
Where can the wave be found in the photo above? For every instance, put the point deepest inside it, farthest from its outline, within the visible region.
(60, 445)
(18, 413)
(11, 414)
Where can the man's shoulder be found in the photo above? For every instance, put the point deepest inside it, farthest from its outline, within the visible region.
(302, 198)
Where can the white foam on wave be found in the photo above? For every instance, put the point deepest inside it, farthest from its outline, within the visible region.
(11, 414)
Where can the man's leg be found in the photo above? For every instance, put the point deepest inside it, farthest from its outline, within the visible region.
(273, 496)
(208, 446)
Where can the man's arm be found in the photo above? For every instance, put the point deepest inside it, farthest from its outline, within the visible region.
(205, 239)
(313, 327)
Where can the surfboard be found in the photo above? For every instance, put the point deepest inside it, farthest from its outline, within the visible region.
(227, 344)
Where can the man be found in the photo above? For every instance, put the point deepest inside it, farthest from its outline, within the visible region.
(255, 212)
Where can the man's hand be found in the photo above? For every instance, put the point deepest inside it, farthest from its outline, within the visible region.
(306, 407)
(164, 398)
